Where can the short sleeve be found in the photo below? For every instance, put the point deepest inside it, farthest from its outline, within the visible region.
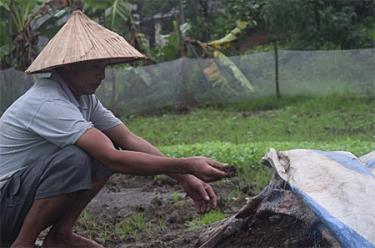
(59, 122)
(102, 118)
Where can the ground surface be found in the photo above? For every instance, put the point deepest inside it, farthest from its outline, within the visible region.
(143, 212)
(146, 212)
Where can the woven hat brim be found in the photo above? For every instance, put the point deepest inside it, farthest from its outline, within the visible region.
(83, 40)
(108, 61)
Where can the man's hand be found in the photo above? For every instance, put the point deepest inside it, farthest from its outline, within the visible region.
(203, 195)
(205, 169)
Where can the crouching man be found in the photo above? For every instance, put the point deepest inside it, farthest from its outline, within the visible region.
(57, 142)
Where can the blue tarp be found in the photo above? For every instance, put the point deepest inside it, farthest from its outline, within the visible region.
(337, 186)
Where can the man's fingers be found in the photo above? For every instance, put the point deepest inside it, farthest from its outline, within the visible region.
(208, 207)
(212, 174)
(202, 207)
(219, 173)
(212, 195)
(216, 164)
(203, 193)
(198, 206)
(209, 196)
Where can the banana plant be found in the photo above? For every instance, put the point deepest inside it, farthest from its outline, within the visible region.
(212, 71)
(19, 32)
(231, 36)
(4, 39)
(114, 13)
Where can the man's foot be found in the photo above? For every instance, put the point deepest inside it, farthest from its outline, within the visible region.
(69, 240)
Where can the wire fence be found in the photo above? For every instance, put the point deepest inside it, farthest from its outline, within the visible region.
(187, 82)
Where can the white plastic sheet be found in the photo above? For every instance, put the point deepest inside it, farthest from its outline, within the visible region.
(337, 186)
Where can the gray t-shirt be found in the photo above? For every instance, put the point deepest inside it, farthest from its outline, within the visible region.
(45, 119)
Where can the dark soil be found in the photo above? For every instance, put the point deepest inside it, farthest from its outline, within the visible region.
(166, 213)
(274, 231)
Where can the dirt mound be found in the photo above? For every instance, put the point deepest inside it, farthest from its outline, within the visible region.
(154, 212)
(148, 212)
(274, 231)
(276, 217)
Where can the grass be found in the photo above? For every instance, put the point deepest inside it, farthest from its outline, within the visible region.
(176, 198)
(247, 157)
(241, 133)
(131, 226)
(208, 218)
(93, 228)
(323, 119)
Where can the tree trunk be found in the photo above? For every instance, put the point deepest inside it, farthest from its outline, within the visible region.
(278, 95)
(180, 19)
(204, 5)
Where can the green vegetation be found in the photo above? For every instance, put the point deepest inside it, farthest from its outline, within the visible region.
(208, 218)
(176, 198)
(322, 119)
(241, 133)
(295, 24)
(93, 228)
(131, 226)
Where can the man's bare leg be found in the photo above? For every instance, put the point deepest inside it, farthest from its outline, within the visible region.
(61, 233)
(43, 213)
(55, 211)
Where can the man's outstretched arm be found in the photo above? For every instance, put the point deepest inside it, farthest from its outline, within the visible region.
(202, 193)
(121, 136)
(100, 147)
(127, 140)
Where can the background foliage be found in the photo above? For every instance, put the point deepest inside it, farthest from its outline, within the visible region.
(26, 25)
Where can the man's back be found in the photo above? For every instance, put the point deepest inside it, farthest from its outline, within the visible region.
(42, 121)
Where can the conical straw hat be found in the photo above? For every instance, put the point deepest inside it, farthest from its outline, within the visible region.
(81, 39)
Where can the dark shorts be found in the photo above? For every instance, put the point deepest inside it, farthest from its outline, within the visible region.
(69, 170)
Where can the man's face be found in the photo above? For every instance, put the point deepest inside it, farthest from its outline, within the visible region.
(85, 78)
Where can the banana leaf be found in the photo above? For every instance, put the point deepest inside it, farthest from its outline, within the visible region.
(232, 36)
(214, 76)
(225, 61)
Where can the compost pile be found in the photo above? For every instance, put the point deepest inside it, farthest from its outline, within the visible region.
(276, 217)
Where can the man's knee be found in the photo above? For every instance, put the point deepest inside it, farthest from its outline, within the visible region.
(81, 162)
(74, 159)
(68, 170)
(75, 154)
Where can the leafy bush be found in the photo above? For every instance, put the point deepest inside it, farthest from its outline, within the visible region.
(247, 157)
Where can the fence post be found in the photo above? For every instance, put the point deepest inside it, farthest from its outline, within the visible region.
(113, 93)
(278, 95)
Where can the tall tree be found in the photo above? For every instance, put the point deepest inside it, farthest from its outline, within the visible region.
(306, 24)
